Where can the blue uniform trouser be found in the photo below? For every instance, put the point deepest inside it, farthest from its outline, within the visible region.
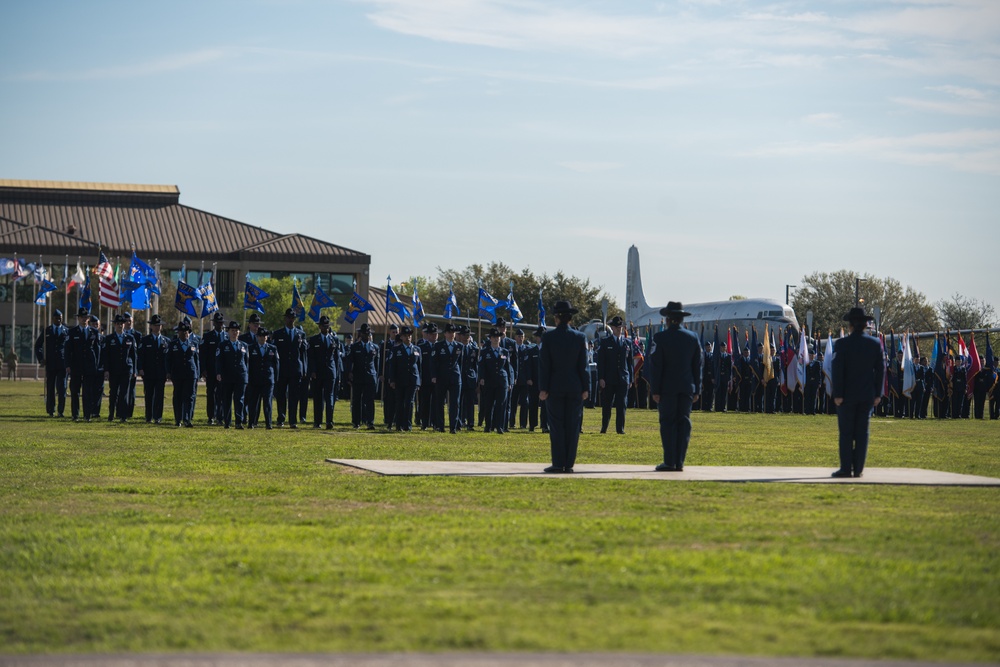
(232, 395)
(405, 394)
(55, 390)
(467, 405)
(852, 422)
(450, 388)
(675, 427)
(324, 399)
(260, 395)
(212, 401)
(184, 396)
(565, 414)
(494, 401)
(425, 416)
(363, 400)
(75, 390)
(613, 396)
(287, 391)
(152, 389)
(93, 394)
(118, 396)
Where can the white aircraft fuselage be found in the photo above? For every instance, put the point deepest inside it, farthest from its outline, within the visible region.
(743, 314)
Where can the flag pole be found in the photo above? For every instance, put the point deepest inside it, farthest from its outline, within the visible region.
(65, 290)
(245, 300)
(34, 320)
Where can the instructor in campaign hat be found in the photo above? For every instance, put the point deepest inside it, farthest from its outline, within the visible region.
(676, 384)
(563, 383)
(857, 388)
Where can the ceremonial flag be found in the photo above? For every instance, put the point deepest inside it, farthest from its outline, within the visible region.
(541, 310)
(392, 302)
(451, 305)
(209, 304)
(828, 365)
(515, 312)
(79, 277)
(803, 360)
(84, 300)
(184, 271)
(297, 306)
(753, 344)
(487, 305)
(418, 308)
(186, 296)
(106, 283)
(990, 359)
(142, 273)
(320, 301)
(8, 266)
(38, 272)
(138, 295)
(252, 296)
(974, 365)
(909, 371)
(963, 351)
(43, 291)
(939, 360)
(356, 306)
(768, 368)
(716, 357)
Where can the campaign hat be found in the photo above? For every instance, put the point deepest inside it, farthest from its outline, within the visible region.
(261, 331)
(119, 319)
(183, 326)
(155, 319)
(450, 327)
(501, 322)
(616, 321)
(564, 308)
(405, 330)
(430, 327)
(857, 314)
(233, 324)
(254, 317)
(289, 312)
(82, 312)
(324, 320)
(494, 332)
(540, 331)
(365, 328)
(674, 309)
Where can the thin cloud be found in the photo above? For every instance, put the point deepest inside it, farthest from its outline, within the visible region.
(590, 167)
(827, 119)
(171, 63)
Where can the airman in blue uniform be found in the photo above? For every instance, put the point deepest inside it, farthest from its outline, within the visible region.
(363, 376)
(858, 374)
(209, 346)
(425, 400)
(153, 350)
(183, 370)
(263, 373)
(120, 361)
(93, 369)
(50, 350)
(447, 359)
(470, 378)
(75, 342)
(496, 376)
(293, 351)
(614, 374)
(404, 377)
(675, 381)
(564, 385)
(232, 371)
(326, 365)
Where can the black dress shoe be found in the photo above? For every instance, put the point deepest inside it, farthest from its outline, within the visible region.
(295, 426)
(621, 432)
(239, 427)
(553, 469)
(663, 467)
(567, 470)
(841, 473)
(857, 474)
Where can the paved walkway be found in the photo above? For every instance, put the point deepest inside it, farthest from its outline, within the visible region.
(915, 476)
(436, 660)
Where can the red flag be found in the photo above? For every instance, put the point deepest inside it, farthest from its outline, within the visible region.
(974, 365)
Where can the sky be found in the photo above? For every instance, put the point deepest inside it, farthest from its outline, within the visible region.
(740, 145)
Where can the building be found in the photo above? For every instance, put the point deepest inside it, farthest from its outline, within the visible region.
(57, 223)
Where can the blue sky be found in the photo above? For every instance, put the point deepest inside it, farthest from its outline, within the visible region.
(740, 145)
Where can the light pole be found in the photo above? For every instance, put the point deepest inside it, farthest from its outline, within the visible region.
(857, 291)
(788, 289)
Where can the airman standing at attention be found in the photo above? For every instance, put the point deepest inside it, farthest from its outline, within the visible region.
(263, 374)
(210, 345)
(293, 351)
(75, 342)
(129, 330)
(153, 350)
(183, 369)
(564, 385)
(495, 378)
(614, 372)
(404, 377)
(384, 358)
(232, 372)
(858, 373)
(93, 370)
(50, 350)
(325, 368)
(425, 401)
(447, 358)
(120, 360)
(470, 378)
(676, 385)
(364, 356)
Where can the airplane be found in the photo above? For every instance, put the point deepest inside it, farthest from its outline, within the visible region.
(743, 314)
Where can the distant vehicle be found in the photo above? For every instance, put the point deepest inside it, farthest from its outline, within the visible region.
(743, 314)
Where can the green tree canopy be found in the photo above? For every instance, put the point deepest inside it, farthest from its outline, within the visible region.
(964, 313)
(831, 295)
(496, 278)
(280, 299)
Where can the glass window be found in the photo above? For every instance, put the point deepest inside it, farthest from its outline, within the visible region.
(257, 275)
(336, 283)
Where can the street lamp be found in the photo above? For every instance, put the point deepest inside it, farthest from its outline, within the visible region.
(788, 289)
(857, 291)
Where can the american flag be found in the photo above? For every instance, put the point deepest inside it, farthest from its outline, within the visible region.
(106, 280)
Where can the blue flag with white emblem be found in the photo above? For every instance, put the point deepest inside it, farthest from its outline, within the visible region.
(451, 305)
(418, 308)
(142, 273)
(84, 300)
(252, 296)
(43, 292)
(298, 307)
(515, 312)
(541, 310)
(487, 306)
(320, 301)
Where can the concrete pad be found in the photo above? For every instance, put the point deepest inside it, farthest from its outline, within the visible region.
(797, 475)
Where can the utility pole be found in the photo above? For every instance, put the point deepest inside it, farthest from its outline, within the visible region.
(788, 290)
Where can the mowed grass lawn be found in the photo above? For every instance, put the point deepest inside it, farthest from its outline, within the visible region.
(141, 538)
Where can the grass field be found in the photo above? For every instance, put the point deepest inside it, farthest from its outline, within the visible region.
(143, 538)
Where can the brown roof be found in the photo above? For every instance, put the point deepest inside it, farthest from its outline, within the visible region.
(36, 240)
(148, 218)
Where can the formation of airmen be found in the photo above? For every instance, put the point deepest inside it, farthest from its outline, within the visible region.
(431, 383)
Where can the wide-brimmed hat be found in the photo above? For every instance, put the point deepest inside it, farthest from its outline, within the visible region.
(405, 330)
(430, 327)
(155, 319)
(540, 331)
(219, 317)
(261, 331)
(324, 320)
(119, 319)
(674, 309)
(495, 332)
(448, 327)
(233, 324)
(365, 328)
(564, 308)
(290, 313)
(857, 314)
(183, 326)
(501, 322)
(82, 312)
(254, 317)
(616, 321)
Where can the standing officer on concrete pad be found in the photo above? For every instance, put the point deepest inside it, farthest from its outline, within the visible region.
(50, 350)
(615, 359)
(153, 351)
(564, 385)
(858, 374)
(676, 384)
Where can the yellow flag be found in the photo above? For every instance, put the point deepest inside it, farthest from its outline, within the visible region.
(768, 368)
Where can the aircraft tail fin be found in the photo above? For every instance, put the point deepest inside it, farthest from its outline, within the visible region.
(635, 301)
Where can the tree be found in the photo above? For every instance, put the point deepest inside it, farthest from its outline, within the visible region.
(496, 279)
(830, 295)
(279, 299)
(965, 313)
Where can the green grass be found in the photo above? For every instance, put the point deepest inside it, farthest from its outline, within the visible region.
(142, 538)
